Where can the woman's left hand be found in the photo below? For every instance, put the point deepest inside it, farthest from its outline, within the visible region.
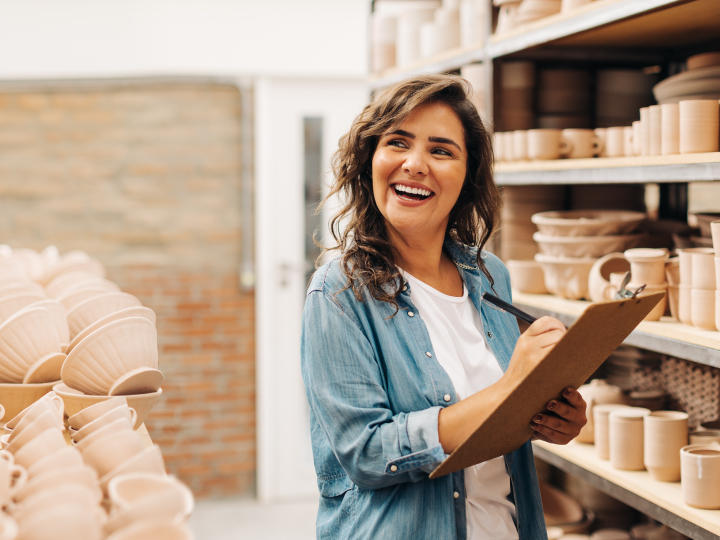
(565, 423)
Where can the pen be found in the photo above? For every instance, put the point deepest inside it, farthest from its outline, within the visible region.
(509, 308)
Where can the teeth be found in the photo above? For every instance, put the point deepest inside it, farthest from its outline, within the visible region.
(413, 191)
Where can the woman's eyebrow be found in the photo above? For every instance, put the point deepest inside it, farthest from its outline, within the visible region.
(443, 140)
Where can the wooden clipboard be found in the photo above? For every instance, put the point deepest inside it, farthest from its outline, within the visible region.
(588, 342)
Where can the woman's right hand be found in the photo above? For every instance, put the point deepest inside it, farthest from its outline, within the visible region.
(532, 346)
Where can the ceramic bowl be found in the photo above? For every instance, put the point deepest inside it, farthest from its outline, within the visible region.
(75, 401)
(118, 349)
(20, 287)
(11, 304)
(138, 311)
(97, 307)
(527, 276)
(18, 397)
(565, 277)
(153, 530)
(26, 337)
(150, 461)
(48, 402)
(46, 369)
(585, 246)
(56, 287)
(127, 490)
(72, 298)
(587, 222)
(59, 318)
(70, 265)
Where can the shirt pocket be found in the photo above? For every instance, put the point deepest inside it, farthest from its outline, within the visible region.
(335, 485)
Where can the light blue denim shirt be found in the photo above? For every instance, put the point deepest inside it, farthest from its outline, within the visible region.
(375, 390)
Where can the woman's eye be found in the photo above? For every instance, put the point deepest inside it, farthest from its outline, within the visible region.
(441, 151)
(396, 142)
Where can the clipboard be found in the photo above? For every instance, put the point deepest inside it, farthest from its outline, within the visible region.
(505, 426)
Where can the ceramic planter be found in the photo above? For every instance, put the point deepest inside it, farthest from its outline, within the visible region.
(701, 476)
(666, 432)
(597, 392)
(626, 438)
(527, 277)
(703, 308)
(599, 280)
(647, 265)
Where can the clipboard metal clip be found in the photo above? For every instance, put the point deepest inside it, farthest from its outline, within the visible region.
(624, 293)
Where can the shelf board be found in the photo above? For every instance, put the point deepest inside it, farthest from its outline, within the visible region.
(659, 500)
(636, 170)
(665, 336)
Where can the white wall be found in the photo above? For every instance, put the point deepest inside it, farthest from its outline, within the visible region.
(120, 38)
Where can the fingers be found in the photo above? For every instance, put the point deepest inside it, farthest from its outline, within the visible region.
(546, 433)
(566, 421)
(545, 324)
(574, 398)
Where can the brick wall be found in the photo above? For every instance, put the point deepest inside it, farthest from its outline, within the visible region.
(146, 177)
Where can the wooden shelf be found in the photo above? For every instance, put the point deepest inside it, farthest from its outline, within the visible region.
(659, 500)
(665, 336)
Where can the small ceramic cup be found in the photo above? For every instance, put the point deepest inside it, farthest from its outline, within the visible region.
(645, 130)
(637, 138)
(544, 144)
(601, 134)
(699, 123)
(615, 141)
(88, 414)
(647, 265)
(685, 304)
(108, 452)
(601, 428)
(666, 432)
(48, 442)
(703, 268)
(65, 458)
(527, 276)
(670, 121)
(672, 271)
(628, 142)
(49, 402)
(652, 288)
(507, 145)
(655, 130)
(715, 231)
(580, 143)
(700, 473)
(19, 438)
(703, 308)
(122, 411)
(12, 477)
(520, 150)
(626, 438)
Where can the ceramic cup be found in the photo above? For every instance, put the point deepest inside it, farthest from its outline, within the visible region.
(88, 414)
(673, 299)
(626, 438)
(544, 144)
(580, 143)
(703, 269)
(628, 141)
(49, 402)
(42, 501)
(498, 148)
(651, 288)
(520, 150)
(685, 304)
(700, 473)
(670, 122)
(699, 125)
(68, 520)
(637, 138)
(647, 265)
(82, 475)
(65, 458)
(8, 527)
(706, 437)
(666, 432)
(12, 477)
(615, 141)
(43, 422)
(672, 271)
(119, 425)
(601, 426)
(508, 147)
(655, 130)
(645, 131)
(715, 231)
(119, 412)
(48, 442)
(108, 452)
(601, 134)
(702, 308)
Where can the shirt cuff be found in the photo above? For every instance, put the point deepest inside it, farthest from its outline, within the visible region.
(427, 452)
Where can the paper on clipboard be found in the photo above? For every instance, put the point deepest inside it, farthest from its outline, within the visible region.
(588, 342)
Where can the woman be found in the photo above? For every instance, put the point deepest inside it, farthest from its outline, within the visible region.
(398, 353)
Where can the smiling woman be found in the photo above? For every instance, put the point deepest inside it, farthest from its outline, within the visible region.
(398, 354)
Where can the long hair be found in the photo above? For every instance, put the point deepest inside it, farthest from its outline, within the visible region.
(368, 258)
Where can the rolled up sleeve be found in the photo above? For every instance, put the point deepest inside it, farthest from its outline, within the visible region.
(344, 384)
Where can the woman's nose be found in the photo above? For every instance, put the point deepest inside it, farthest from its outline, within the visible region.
(415, 163)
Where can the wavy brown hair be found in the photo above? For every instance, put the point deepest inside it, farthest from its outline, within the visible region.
(368, 257)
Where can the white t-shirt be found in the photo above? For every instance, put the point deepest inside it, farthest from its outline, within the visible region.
(457, 336)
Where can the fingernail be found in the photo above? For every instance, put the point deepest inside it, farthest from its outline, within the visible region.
(551, 405)
(538, 418)
(568, 392)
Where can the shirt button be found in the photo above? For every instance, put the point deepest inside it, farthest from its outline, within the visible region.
(456, 495)
(405, 288)
(428, 354)
(393, 468)
(447, 397)
(411, 314)
(489, 334)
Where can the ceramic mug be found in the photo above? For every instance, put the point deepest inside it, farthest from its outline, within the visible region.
(580, 143)
(110, 451)
(666, 432)
(670, 128)
(699, 124)
(615, 141)
(519, 139)
(702, 308)
(645, 131)
(119, 412)
(64, 458)
(119, 425)
(601, 134)
(628, 141)
(88, 414)
(50, 402)
(544, 144)
(700, 473)
(655, 130)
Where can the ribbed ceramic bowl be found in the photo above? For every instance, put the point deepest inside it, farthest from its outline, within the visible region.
(586, 246)
(75, 401)
(26, 337)
(74, 264)
(70, 299)
(62, 282)
(59, 317)
(20, 287)
(97, 307)
(10, 305)
(137, 311)
(587, 222)
(110, 353)
(17, 397)
(566, 277)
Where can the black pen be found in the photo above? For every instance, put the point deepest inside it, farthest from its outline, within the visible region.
(509, 308)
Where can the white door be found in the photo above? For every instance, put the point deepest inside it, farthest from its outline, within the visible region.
(297, 125)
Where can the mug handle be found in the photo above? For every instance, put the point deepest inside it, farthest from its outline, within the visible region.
(566, 147)
(133, 413)
(598, 145)
(18, 477)
(59, 405)
(7, 456)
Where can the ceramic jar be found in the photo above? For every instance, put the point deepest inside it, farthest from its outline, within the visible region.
(597, 392)
(527, 276)
(702, 306)
(647, 265)
(655, 130)
(601, 425)
(670, 128)
(626, 438)
(666, 432)
(700, 473)
(699, 125)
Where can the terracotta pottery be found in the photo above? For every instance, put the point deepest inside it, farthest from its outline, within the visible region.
(647, 265)
(138, 311)
(520, 145)
(610, 534)
(68, 520)
(628, 142)
(93, 412)
(672, 271)
(120, 425)
(626, 438)
(703, 268)
(48, 402)
(26, 337)
(706, 437)
(106, 453)
(153, 530)
(65, 458)
(601, 425)
(673, 300)
(148, 461)
(587, 222)
(599, 279)
(12, 478)
(566, 277)
(699, 125)
(597, 392)
(17, 397)
(97, 307)
(543, 144)
(579, 143)
(645, 131)
(75, 401)
(666, 432)
(585, 246)
(49, 441)
(670, 122)
(703, 308)
(701, 476)
(12, 303)
(123, 411)
(615, 141)
(685, 304)
(637, 138)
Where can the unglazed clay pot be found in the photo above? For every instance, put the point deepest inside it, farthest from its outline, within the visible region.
(564, 277)
(703, 269)
(670, 122)
(599, 280)
(647, 265)
(701, 476)
(666, 432)
(628, 143)
(626, 438)
(637, 138)
(685, 304)
(601, 424)
(703, 308)
(527, 276)
(597, 392)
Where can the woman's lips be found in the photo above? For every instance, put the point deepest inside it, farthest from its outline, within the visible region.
(409, 199)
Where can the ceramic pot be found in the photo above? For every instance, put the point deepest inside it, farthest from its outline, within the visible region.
(659, 309)
(626, 438)
(685, 304)
(670, 129)
(703, 308)
(637, 138)
(699, 125)
(645, 131)
(655, 130)
(597, 392)
(673, 299)
(666, 432)
(706, 437)
(672, 271)
(564, 277)
(647, 265)
(703, 269)
(543, 144)
(579, 143)
(520, 145)
(599, 281)
(700, 476)
(527, 276)
(615, 142)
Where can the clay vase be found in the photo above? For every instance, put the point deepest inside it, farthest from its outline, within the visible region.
(703, 268)
(666, 432)
(626, 438)
(600, 289)
(615, 142)
(685, 304)
(655, 130)
(645, 131)
(519, 138)
(543, 144)
(699, 125)
(715, 232)
(702, 308)
(700, 471)
(670, 122)
(601, 426)
(637, 138)
(597, 392)
(647, 265)
(527, 277)
(628, 142)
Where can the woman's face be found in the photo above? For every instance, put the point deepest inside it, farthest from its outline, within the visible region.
(418, 170)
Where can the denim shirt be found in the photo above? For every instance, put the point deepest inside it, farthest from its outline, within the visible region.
(375, 390)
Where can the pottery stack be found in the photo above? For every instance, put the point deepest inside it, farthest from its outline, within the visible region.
(698, 287)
